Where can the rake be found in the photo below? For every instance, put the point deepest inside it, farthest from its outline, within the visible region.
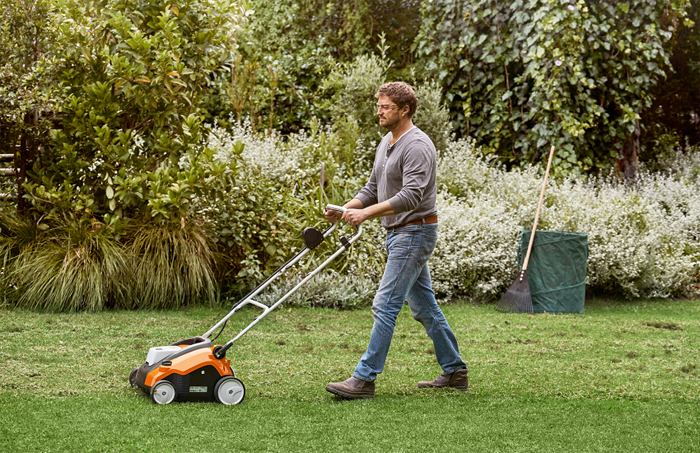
(517, 299)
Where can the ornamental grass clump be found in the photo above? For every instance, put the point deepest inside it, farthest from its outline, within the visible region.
(174, 265)
(77, 266)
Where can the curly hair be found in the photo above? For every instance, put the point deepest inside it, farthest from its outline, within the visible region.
(401, 94)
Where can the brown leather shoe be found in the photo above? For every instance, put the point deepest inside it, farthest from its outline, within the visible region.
(457, 380)
(352, 389)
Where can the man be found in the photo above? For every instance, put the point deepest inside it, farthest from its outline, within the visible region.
(402, 191)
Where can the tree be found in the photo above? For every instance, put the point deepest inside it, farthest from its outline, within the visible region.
(674, 115)
(28, 91)
(524, 74)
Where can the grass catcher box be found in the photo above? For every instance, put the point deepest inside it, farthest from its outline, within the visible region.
(556, 271)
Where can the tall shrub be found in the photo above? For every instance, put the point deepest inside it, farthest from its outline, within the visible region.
(129, 161)
(351, 87)
(135, 72)
(523, 74)
(303, 39)
(28, 90)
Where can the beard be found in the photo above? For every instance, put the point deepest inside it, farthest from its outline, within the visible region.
(388, 123)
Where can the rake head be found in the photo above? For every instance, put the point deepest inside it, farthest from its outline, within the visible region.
(517, 299)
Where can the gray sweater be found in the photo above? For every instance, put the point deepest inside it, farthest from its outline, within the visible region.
(404, 175)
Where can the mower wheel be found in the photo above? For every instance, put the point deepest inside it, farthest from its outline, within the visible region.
(163, 392)
(229, 390)
(132, 378)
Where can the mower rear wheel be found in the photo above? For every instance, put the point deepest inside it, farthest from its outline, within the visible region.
(163, 392)
(132, 378)
(229, 390)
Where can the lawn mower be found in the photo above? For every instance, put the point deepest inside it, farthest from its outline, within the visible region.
(195, 369)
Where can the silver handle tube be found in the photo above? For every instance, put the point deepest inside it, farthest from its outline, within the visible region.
(222, 351)
(267, 283)
(250, 296)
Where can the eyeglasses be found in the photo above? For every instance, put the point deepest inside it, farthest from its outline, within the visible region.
(385, 107)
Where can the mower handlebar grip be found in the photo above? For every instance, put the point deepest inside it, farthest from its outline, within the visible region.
(332, 207)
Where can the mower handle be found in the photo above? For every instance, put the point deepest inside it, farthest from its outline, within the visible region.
(332, 207)
(220, 351)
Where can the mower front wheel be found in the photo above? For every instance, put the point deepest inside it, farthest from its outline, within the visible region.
(163, 392)
(229, 390)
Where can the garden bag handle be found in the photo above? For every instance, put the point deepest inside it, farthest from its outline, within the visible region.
(539, 206)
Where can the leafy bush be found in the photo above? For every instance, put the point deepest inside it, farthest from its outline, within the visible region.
(519, 74)
(351, 104)
(432, 117)
(302, 40)
(135, 73)
(27, 67)
(245, 218)
(354, 115)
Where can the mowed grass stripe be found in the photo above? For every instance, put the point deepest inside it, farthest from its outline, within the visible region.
(613, 351)
(390, 424)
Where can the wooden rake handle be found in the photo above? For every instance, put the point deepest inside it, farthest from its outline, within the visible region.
(537, 215)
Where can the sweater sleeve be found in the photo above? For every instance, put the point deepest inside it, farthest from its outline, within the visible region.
(368, 194)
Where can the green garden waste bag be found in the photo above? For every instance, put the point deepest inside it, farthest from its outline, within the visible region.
(556, 271)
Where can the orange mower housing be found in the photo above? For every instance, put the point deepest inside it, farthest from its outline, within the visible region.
(187, 370)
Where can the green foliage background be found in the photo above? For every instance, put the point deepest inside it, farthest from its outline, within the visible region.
(523, 74)
(128, 203)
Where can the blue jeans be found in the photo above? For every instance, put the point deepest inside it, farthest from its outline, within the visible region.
(407, 277)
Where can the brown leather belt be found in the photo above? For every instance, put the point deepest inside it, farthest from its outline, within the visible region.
(426, 220)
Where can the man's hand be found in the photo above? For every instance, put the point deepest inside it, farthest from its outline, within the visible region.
(332, 215)
(355, 216)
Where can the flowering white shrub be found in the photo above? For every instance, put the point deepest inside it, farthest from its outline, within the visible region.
(288, 160)
(293, 164)
(682, 163)
(644, 239)
(637, 246)
(327, 289)
(475, 251)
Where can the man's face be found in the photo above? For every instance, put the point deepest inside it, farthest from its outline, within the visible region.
(389, 113)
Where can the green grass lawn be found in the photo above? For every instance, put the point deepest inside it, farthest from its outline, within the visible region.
(622, 377)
